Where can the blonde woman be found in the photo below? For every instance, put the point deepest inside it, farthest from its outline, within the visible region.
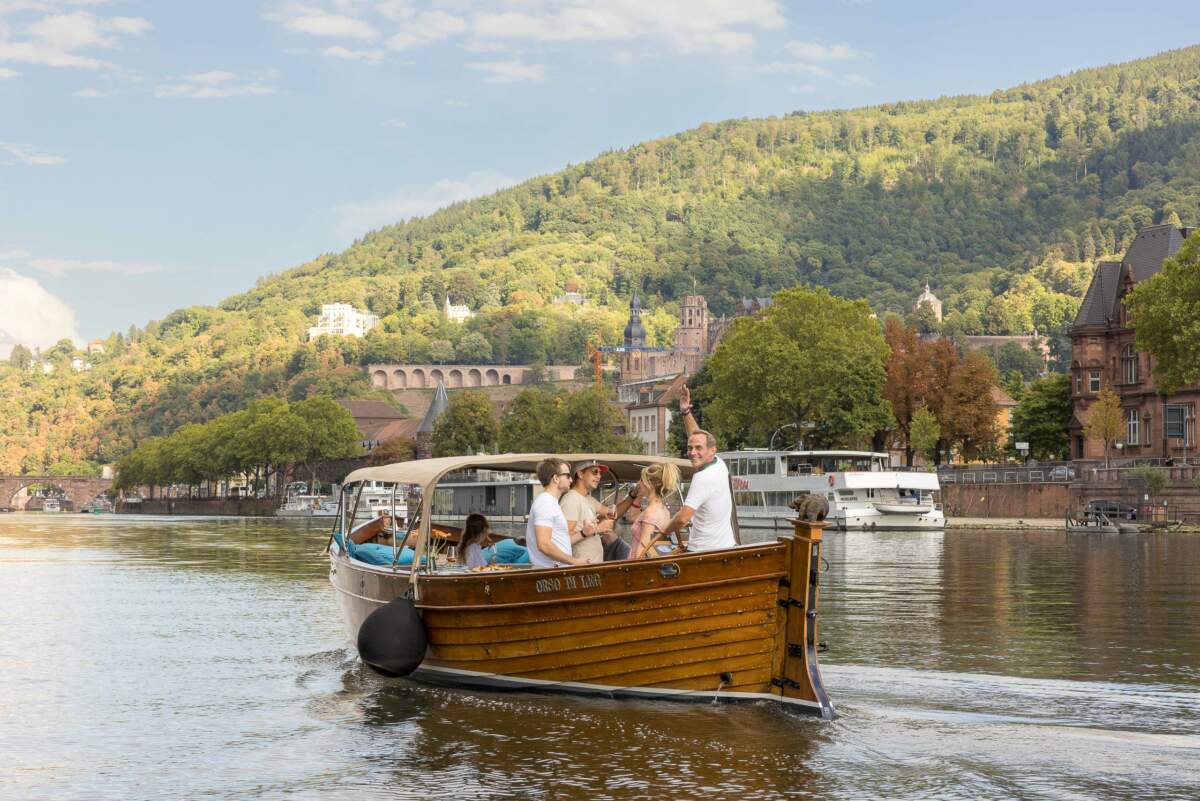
(658, 481)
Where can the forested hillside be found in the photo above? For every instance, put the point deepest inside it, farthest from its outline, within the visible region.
(1002, 203)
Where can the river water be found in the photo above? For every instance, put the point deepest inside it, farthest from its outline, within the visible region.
(205, 659)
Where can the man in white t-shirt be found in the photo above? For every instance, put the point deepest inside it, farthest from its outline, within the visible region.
(709, 502)
(546, 534)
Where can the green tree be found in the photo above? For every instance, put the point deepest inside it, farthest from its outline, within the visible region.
(528, 422)
(1165, 312)
(329, 432)
(20, 357)
(467, 426)
(924, 433)
(813, 359)
(473, 348)
(588, 423)
(1151, 478)
(1104, 421)
(1043, 416)
(441, 351)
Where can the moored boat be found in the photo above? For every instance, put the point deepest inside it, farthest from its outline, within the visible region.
(862, 490)
(734, 624)
(51, 505)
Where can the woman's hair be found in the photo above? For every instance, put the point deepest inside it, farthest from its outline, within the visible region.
(473, 531)
(664, 478)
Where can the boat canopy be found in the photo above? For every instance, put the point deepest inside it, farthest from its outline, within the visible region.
(426, 473)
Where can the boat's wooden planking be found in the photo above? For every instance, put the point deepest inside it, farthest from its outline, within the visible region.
(675, 623)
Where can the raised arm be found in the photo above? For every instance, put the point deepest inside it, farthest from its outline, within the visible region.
(685, 409)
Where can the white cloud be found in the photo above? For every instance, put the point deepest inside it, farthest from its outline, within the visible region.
(26, 155)
(456, 103)
(14, 254)
(54, 39)
(354, 219)
(510, 71)
(60, 267)
(30, 315)
(722, 26)
(365, 56)
(7, 73)
(686, 25)
(394, 124)
(317, 22)
(426, 28)
(220, 84)
(91, 93)
(795, 68)
(858, 80)
(814, 51)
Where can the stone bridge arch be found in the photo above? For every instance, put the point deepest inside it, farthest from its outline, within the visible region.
(78, 489)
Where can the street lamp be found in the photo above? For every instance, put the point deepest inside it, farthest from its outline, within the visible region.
(771, 444)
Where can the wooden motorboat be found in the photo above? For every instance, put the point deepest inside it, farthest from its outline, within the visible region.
(738, 624)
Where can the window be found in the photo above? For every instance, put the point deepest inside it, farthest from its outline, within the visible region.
(1129, 364)
(1079, 383)
(1179, 421)
(1094, 381)
(1132, 427)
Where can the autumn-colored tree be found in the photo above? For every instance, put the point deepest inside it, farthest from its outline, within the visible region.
(1105, 422)
(968, 419)
(396, 449)
(910, 372)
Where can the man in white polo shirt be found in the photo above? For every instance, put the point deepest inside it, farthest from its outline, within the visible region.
(709, 503)
(546, 534)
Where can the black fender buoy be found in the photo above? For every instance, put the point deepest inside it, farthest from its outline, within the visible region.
(391, 640)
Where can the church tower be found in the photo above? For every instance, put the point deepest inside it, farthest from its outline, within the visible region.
(692, 334)
(633, 358)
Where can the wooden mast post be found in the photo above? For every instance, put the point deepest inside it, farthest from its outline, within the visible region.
(798, 674)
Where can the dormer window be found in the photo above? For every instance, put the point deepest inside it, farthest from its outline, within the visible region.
(1094, 381)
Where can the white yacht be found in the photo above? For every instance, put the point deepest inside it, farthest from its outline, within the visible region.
(863, 491)
(51, 505)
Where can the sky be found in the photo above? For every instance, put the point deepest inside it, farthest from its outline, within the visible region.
(156, 155)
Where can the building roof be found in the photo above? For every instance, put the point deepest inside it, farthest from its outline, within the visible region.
(1144, 258)
(371, 409)
(405, 429)
(1151, 246)
(439, 404)
(1002, 398)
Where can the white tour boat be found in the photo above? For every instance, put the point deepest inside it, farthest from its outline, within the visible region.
(863, 491)
(51, 505)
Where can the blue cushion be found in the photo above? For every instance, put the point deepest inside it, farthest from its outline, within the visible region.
(375, 554)
(509, 553)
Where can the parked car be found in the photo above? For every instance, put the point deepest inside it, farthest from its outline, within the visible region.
(1114, 510)
(1062, 473)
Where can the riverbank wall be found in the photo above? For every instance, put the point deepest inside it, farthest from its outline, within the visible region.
(1051, 501)
(232, 507)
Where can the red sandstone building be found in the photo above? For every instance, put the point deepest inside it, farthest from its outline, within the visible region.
(1105, 357)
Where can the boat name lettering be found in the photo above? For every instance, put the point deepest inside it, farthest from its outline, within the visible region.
(587, 582)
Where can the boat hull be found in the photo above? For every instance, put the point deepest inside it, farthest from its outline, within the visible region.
(718, 625)
(865, 519)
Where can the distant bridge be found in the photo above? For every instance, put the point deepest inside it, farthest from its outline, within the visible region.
(78, 489)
